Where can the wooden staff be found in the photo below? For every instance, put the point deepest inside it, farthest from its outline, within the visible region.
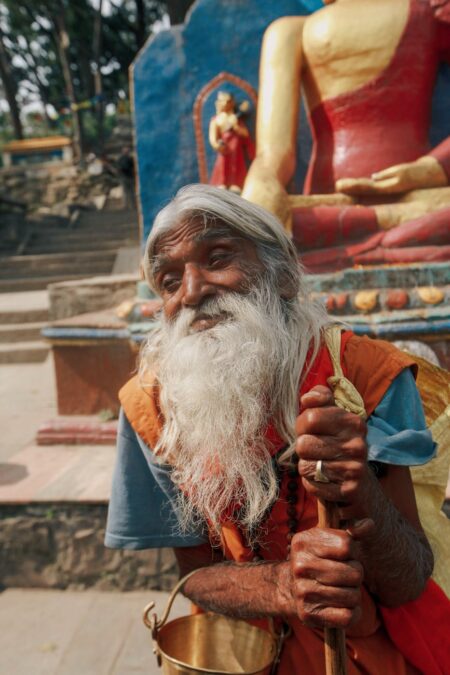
(335, 652)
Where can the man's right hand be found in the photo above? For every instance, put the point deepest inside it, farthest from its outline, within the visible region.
(326, 578)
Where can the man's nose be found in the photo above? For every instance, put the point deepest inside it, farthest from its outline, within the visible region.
(195, 287)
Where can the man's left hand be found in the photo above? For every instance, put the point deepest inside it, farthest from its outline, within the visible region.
(337, 438)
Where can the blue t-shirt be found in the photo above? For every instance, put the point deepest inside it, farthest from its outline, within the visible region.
(142, 508)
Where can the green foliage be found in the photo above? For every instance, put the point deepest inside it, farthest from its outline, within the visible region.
(31, 34)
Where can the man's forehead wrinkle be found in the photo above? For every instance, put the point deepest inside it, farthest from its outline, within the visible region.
(208, 232)
(215, 232)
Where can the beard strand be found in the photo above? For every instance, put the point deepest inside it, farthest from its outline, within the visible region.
(219, 389)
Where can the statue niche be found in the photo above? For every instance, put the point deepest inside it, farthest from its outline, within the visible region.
(230, 138)
(375, 192)
(223, 161)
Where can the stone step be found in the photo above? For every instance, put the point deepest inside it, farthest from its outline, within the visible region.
(50, 261)
(22, 284)
(77, 430)
(57, 272)
(94, 243)
(21, 316)
(24, 352)
(67, 241)
(21, 332)
(107, 217)
(25, 307)
(85, 229)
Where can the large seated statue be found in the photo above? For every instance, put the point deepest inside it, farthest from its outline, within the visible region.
(375, 191)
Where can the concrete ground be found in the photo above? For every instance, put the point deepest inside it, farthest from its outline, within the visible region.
(48, 632)
(28, 398)
(79, 633)
(27, 390)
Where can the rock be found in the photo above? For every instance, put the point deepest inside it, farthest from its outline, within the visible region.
(99, 201)
(116, 192)
(70, 298)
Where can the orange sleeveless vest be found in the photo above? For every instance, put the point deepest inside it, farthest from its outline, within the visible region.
(371, 366)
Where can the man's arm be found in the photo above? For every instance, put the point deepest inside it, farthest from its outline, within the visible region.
(328, 596)
(397, 538)
(321, 583)
(244, 590)
(396, 555)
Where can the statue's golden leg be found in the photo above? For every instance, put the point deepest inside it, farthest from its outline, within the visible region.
(437, 198)
(411, 206)
(308, 201)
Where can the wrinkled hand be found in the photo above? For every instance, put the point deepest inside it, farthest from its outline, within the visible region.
(425, 172)
(338, 438)
(326, 577)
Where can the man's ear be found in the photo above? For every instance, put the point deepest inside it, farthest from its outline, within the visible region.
(287, 287)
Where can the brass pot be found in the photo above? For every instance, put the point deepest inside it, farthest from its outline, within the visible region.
(209, 643)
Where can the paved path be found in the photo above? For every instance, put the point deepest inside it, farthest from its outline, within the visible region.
(78, 632)
(69, 632)
(28, 396)
(58, 473)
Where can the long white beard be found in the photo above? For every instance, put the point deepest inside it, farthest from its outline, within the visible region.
(219, 389)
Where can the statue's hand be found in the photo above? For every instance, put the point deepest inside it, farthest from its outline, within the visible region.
(425, 172)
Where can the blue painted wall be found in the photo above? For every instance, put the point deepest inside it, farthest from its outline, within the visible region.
(219, 35)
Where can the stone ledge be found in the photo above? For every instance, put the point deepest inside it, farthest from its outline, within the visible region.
(61, 546)
(70, 298)
(77, 430)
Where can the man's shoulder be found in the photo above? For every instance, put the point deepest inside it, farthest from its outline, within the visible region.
(372, 365)
(140, 402)
(363, 347)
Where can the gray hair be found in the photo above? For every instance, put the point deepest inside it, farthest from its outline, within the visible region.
(217, 206)
(301, 318)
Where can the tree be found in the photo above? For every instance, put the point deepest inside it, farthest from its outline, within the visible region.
(177, 10)
(58, 18)
(65, 53)
(10, 85)
(97, 46)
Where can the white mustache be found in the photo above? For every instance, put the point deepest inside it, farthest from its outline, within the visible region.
(210, 308)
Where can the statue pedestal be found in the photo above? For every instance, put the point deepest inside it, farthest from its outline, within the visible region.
(96, 353)
(410, 302)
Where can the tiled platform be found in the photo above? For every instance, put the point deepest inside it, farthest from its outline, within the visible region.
(78, 633)
(58, 473)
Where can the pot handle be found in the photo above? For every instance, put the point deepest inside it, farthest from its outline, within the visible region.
(153, 623)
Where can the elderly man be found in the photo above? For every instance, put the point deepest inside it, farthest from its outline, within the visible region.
(230, 433)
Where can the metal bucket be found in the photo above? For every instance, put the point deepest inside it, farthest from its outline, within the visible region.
(210, 643)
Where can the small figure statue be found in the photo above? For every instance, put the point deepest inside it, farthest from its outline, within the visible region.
(231, 139)
(368, 69)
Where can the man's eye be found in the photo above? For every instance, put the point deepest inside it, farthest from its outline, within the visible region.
(169, 283)
(218, 257)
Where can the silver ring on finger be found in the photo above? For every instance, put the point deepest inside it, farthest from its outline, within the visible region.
(319, 476)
